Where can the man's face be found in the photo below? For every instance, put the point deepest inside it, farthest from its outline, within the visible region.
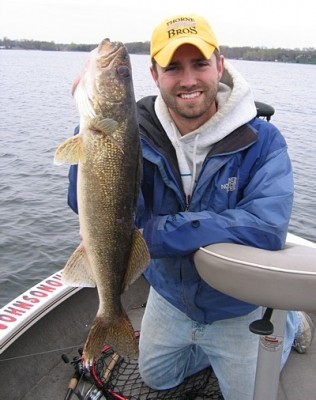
(188, 86)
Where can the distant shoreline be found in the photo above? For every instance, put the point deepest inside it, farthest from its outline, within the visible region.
(298, 56)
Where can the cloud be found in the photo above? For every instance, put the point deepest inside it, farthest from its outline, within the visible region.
(246, 23)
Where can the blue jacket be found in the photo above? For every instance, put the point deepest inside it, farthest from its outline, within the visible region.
(243, 195)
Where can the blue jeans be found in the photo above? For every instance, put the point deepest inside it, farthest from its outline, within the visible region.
(172, 347)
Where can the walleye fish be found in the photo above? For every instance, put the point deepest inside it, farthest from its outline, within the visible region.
(112, 253)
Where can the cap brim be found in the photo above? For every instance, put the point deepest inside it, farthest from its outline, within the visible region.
(164, 56)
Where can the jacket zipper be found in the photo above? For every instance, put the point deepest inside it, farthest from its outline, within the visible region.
(188, 202)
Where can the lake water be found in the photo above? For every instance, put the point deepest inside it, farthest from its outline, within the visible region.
(38, 232)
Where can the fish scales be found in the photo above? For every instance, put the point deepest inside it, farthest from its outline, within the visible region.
(112, 253)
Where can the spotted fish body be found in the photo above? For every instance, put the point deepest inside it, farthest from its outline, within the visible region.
(112, 253)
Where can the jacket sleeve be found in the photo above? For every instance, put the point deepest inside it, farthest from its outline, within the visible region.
(72, 188)
(260, 218)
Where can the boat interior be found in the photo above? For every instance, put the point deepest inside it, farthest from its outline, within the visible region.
(41, 364)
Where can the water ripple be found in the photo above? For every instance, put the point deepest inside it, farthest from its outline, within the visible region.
(38, 230)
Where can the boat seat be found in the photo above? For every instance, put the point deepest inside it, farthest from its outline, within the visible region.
(283, 279)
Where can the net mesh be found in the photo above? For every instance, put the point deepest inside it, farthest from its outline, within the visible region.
(120, 379)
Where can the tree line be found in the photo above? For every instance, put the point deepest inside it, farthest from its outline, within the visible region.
(303, 56)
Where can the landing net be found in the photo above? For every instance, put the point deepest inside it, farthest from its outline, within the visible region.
(120, 379)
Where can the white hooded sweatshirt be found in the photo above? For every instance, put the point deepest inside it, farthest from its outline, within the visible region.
(235, 107)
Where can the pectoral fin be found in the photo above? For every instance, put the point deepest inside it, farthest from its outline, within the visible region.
(138, 261)
(107, 126)
(71, 151)
(77, 272)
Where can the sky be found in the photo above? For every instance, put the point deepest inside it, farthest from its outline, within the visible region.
(265, 23)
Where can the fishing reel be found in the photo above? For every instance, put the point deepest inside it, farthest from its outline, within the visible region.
(81, 385)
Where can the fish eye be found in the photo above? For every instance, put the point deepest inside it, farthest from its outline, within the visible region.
(123, 71)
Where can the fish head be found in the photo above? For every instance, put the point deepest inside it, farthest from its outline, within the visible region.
(106, 81)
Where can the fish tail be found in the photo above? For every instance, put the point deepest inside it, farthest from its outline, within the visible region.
(118, 334)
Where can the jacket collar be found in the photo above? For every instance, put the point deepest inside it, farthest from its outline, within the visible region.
(152, 130)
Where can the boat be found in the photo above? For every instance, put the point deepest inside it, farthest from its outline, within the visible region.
(42, 332)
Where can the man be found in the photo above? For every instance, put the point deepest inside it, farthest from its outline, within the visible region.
(212, 172)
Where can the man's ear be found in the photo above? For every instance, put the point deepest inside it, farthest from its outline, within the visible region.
(220, 67)
(154, 75)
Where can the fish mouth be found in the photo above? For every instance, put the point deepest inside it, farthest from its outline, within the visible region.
(109, 51)
(106, 80)
(112, 56)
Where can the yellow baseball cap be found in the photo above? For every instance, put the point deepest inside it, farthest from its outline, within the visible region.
(178, 30)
